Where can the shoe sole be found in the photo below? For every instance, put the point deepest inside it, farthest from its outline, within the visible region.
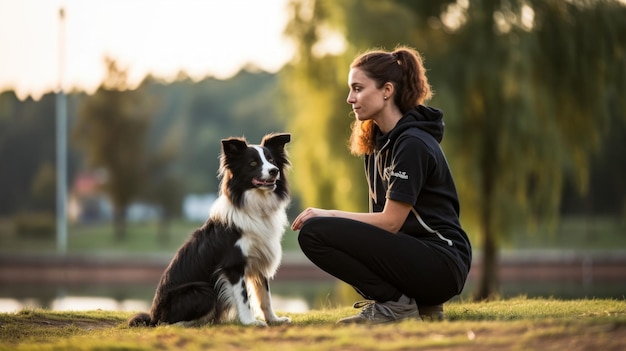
(352, 320)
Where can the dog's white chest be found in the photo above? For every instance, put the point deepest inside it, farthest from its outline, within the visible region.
(261, 229)
(262, 253)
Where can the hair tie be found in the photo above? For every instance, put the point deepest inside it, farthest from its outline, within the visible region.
(396, 58)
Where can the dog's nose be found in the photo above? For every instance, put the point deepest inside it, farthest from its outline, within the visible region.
(274, 172)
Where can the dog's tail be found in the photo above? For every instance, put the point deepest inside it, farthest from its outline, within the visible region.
(141, 320)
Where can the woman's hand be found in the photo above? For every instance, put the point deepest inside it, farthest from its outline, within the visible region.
(391, 219)
(307, 214)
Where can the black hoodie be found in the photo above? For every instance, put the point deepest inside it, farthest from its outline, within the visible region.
(410, 166)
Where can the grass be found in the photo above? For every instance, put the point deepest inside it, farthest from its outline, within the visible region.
(572, 233)
(584, 233)
(140, 238)
(514, 324)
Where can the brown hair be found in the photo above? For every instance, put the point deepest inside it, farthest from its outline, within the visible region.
(403, 68)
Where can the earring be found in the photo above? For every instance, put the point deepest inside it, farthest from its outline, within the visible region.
(384, 97)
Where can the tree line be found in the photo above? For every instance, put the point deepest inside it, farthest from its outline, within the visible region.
(155, 143)
(187, 120)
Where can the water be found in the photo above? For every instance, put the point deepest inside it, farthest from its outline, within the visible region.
(296, 297)
(291, 296)
(565, 290)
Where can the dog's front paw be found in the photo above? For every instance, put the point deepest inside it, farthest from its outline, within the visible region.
(280, 320)
(254, 323)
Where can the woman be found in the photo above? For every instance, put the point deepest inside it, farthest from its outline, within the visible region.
(409, 254)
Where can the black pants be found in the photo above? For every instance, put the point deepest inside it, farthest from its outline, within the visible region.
(379, 265)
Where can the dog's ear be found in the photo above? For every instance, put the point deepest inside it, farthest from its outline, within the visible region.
(276, 141)
(233, 146)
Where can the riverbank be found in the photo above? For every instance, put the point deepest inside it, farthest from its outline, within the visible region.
(517, 266)
(124, 282)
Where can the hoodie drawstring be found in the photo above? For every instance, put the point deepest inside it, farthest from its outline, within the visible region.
(429, 229)
(376, 154)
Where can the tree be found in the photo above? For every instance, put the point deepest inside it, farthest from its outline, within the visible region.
(26, 142)
(531, 109)
(319, 118)
(527, 87)
(111, 130)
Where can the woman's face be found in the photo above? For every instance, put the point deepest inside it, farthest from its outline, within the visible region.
(366, 99)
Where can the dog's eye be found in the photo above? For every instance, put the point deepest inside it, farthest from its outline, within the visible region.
(271, 160)
(253, 164)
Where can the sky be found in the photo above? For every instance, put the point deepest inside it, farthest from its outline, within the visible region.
(158, 37)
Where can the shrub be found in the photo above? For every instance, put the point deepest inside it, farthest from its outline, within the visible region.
(35, 225)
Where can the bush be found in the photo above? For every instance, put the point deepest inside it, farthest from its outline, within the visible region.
(39, 225)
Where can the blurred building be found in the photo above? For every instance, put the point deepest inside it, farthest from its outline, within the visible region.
(196, 206)
(87, 203)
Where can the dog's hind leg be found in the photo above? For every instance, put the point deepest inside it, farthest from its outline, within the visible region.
(189, 304)
(264, 297)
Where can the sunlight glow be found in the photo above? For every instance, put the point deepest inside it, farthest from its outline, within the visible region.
(528, 18)
(331, 43)
(164, 37)
(455, 15)
(506, 19)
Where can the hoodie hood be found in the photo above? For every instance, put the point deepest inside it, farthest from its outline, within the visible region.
(428, 119)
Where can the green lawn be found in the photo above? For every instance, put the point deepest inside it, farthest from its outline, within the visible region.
(140, 238)
(584, 233)
(572, 233)
(515, 324)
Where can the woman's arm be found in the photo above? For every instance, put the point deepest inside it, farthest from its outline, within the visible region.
(390, 219)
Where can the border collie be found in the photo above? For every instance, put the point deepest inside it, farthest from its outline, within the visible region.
(231, 258)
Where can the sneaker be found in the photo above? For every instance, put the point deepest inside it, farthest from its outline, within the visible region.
(432, 313)
(382, 312)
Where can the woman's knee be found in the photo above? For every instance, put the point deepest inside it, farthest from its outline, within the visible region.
(306, 234)
(303, 238)
(312, 232)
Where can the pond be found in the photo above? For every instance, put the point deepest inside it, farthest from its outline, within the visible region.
(288, 296)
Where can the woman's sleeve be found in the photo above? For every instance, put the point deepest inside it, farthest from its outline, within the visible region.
(411, 161)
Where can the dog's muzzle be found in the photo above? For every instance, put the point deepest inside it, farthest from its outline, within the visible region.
(265, 183)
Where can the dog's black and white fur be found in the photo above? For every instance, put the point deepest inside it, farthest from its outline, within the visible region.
(238, 249)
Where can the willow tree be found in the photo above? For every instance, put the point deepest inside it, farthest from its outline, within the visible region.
(527, 88)
(111, 129)
(533, 90)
